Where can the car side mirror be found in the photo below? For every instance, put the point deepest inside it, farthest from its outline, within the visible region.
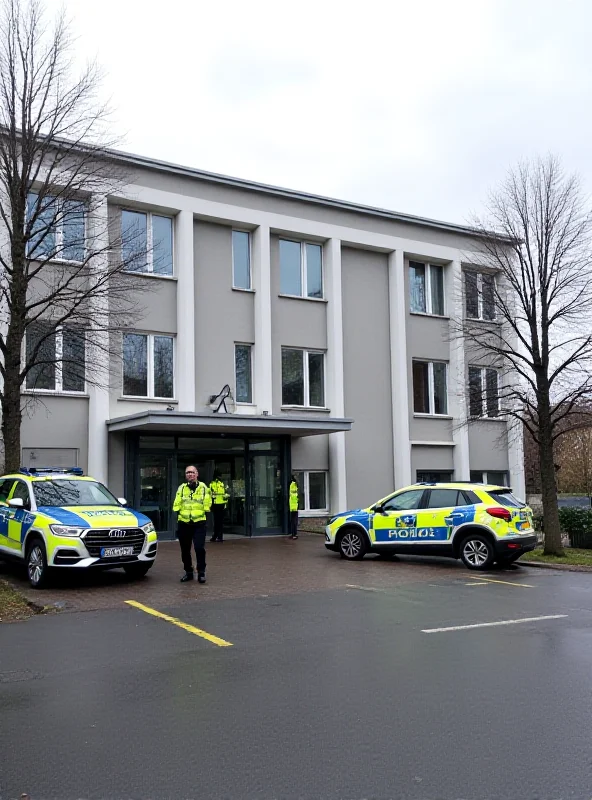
(16, 502)
(379, 509)
(122, 501)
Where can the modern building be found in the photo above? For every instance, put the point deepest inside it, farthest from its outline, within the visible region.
(330, 325)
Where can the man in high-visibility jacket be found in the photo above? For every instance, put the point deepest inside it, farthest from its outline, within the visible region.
(219, 499)
(293, 500)
(192, 502)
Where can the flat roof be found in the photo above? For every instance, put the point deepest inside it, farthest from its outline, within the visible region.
(242, 183)
(195, 422)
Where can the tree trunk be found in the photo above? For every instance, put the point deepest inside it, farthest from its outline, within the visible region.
(11, 397)
(11, 421)
(549, 488)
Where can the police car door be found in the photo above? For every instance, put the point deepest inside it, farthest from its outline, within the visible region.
(17, 515)
(396, 522)
(5, 489)
(443, 511)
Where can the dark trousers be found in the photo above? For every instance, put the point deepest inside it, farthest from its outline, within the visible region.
(188, 533)
(293, 523)
(218, 510)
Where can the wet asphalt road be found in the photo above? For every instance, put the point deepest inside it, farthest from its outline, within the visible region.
(329, 694)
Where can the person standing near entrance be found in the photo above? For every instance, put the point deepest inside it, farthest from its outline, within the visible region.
(192, 502)
(219, 499)
(293, 508)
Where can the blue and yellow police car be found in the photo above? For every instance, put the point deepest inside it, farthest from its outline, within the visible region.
(53, 518)
(477, 523)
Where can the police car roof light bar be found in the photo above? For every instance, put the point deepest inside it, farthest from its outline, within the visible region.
(50, 470)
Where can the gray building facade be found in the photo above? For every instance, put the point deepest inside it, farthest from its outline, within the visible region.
(331, 325)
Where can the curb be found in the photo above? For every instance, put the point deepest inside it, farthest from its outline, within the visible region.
(560, 567)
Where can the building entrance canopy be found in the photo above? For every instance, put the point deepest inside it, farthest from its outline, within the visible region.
(239, 424)
(251, 455)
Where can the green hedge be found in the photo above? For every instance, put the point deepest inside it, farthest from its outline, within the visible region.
(577, 523)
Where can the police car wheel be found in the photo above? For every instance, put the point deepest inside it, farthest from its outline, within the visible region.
(37, 569)
(476, 552)
(136, 571)
(352, 545)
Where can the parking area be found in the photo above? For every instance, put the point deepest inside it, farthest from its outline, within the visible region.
(295, 674)
(236, 568)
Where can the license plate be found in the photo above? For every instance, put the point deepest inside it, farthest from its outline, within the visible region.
(110, 552)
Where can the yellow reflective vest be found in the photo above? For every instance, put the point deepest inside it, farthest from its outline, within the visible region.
(219, 493)
(293, 496)
(192, 504)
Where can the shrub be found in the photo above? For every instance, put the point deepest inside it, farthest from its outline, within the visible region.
(577, 523)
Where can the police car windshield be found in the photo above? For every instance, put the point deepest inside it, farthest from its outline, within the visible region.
(72, 493)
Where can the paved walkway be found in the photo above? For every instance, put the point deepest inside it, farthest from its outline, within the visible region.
(236, 568)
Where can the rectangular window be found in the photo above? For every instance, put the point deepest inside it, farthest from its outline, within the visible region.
(148, 366)
(303, 378)
(427, 476)
(73, 360)
(58, 228)
(301, 269)
(242, 373)
(147, 242)
(312, 494)
(483, 392)
(491, 477)
(430, 391)
(480, 295)
(426, 287)
(59, 361)
(241, 260)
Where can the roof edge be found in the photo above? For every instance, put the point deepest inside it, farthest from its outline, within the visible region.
(293, 194)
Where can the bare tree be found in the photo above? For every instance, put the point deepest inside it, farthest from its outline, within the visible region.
(536, 295)
(65, 282)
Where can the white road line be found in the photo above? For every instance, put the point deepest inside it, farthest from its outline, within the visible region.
(493, 624)
(476, 583)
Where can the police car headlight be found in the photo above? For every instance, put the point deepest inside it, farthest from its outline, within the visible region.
(148, 527)
(65, 530)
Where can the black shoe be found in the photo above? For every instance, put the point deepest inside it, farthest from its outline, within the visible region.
(201, 577)
(212, 539)
(187, 577)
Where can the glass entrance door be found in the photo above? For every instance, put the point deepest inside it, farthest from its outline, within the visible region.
(265, 495)
(155, 490)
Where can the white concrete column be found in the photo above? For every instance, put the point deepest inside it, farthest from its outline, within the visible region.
(97, 359)
(457, 374)
(185, 347)
(334, 380)
(399, 387)
(516, 458)
(262, 367)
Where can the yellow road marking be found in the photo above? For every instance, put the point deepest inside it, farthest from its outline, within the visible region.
(180, 624)
(508, 583)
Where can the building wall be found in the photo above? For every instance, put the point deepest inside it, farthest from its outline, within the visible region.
(223, 316)
(117, 464)
(56, 422)
(366, 272)
(366, 346)
(488, 445)
(295, 207)
(431, 458)
(295, 322)
(310, 452)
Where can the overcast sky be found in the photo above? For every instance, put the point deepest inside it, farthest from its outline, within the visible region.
(418, 107)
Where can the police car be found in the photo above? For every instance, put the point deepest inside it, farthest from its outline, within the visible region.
(477, 523)
(58, 518)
